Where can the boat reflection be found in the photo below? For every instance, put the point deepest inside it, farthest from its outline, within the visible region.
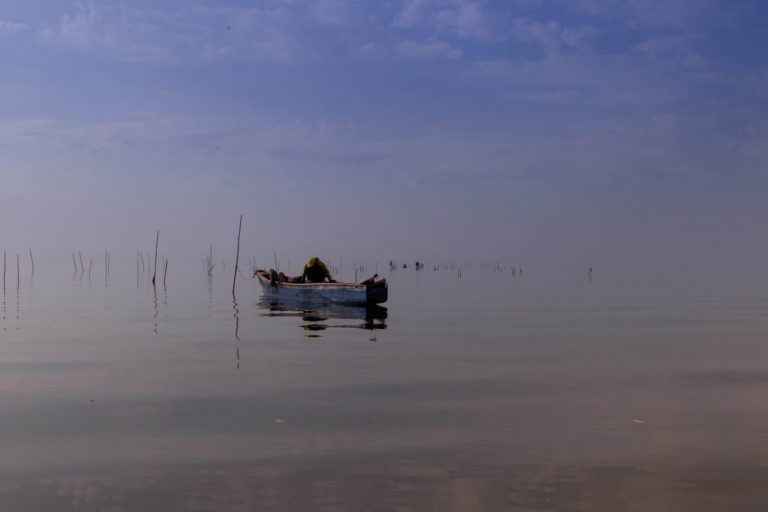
(316, 316)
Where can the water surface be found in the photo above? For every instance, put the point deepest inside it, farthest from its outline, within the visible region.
(485, 392)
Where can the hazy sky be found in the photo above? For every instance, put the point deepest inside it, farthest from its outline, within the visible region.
(554, 131)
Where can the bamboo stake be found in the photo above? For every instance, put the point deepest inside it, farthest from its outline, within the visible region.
(18, 274)
(32, 260)
(90, 264)
(157, 241)
(166, 272)
(74, 262)
(3, 272)
(237, 257)
(82, 269)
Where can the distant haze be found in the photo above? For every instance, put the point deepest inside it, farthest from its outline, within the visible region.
(620, 134)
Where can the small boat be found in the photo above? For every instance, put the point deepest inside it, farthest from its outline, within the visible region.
(370, 291)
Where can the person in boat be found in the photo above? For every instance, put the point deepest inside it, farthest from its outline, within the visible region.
(315, 271)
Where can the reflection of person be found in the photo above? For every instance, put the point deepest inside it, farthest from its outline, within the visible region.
(315, 271)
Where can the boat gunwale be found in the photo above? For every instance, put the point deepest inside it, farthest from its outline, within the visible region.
(355, 286)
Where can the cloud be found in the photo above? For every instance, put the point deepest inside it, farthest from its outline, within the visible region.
(580, 38)
(427, 49)
(169, 36)
(108, 29)
(628, 84)
(84, 28)
(275, 33)
(466, 19)
(672, 49)
(332, 12)
(678, 14)
(663, 14)
(12, 27)
(552, 37)
(412, 13)
(412, 49)
(548, 34)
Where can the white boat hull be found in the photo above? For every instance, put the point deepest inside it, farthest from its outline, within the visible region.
(331, 293)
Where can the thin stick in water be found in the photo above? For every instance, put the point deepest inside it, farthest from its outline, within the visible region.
(166, 272)
(90, 264)
(32, 260)
(237, 254)
(18, 274)
(157, 241)
(82, 269)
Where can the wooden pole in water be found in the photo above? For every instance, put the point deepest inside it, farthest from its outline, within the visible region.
(3, 272)
(165, 274)
(74, 262)
(157, 241)
(237, 254)
(18, 274)
(80, 255)
(90, 264)
(32, 260)
(142, 261)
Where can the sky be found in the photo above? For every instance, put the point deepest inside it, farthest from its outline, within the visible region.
(630, 134)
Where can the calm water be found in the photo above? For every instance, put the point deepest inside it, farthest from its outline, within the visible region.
(489, 392)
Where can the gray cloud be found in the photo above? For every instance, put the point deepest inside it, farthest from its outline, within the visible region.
(427, 49)
(12, 27)
(467, 19)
